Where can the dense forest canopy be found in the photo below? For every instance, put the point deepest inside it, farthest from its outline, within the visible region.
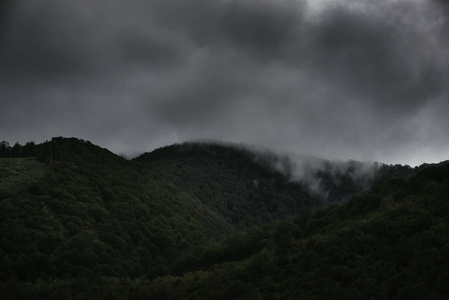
(202, 220)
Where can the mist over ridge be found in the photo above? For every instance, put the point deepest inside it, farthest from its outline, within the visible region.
(333, 181)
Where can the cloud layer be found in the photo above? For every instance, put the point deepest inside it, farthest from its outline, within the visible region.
(345, 79)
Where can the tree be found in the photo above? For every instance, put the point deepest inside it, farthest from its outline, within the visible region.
(16, 150)
(4, 149)
(29, 149)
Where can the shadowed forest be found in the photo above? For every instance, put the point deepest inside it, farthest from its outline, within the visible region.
(217, 221)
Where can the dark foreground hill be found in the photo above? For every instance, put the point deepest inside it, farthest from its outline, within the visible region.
(389, 243)
(80, 209)
(79, 221)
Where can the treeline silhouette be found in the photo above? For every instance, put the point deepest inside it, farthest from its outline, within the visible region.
(17, 150)
(45, 152)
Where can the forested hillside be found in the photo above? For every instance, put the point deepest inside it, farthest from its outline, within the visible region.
(231, 182)
(244, 174)
(389, 243)
(80, 221)
(80, 209)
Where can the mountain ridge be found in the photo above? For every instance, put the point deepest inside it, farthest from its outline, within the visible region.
(74, 210)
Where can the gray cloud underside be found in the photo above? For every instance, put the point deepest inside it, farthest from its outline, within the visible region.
(352, 79)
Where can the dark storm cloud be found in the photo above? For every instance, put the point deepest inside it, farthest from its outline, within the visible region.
(347, 79)
(382, 56)
(265, 28)
(154, 50)
(42, 41)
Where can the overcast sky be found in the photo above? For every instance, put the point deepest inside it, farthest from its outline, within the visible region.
(364, 80)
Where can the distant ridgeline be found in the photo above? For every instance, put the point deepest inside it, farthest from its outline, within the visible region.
(76, 219)
(326, 181)
(197, 165)
(28, 150)
(44, 152)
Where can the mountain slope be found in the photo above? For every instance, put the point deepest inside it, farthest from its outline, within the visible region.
(230, 181)
(389, 243)
(252, 187)
(77, 212)
(89, 210)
